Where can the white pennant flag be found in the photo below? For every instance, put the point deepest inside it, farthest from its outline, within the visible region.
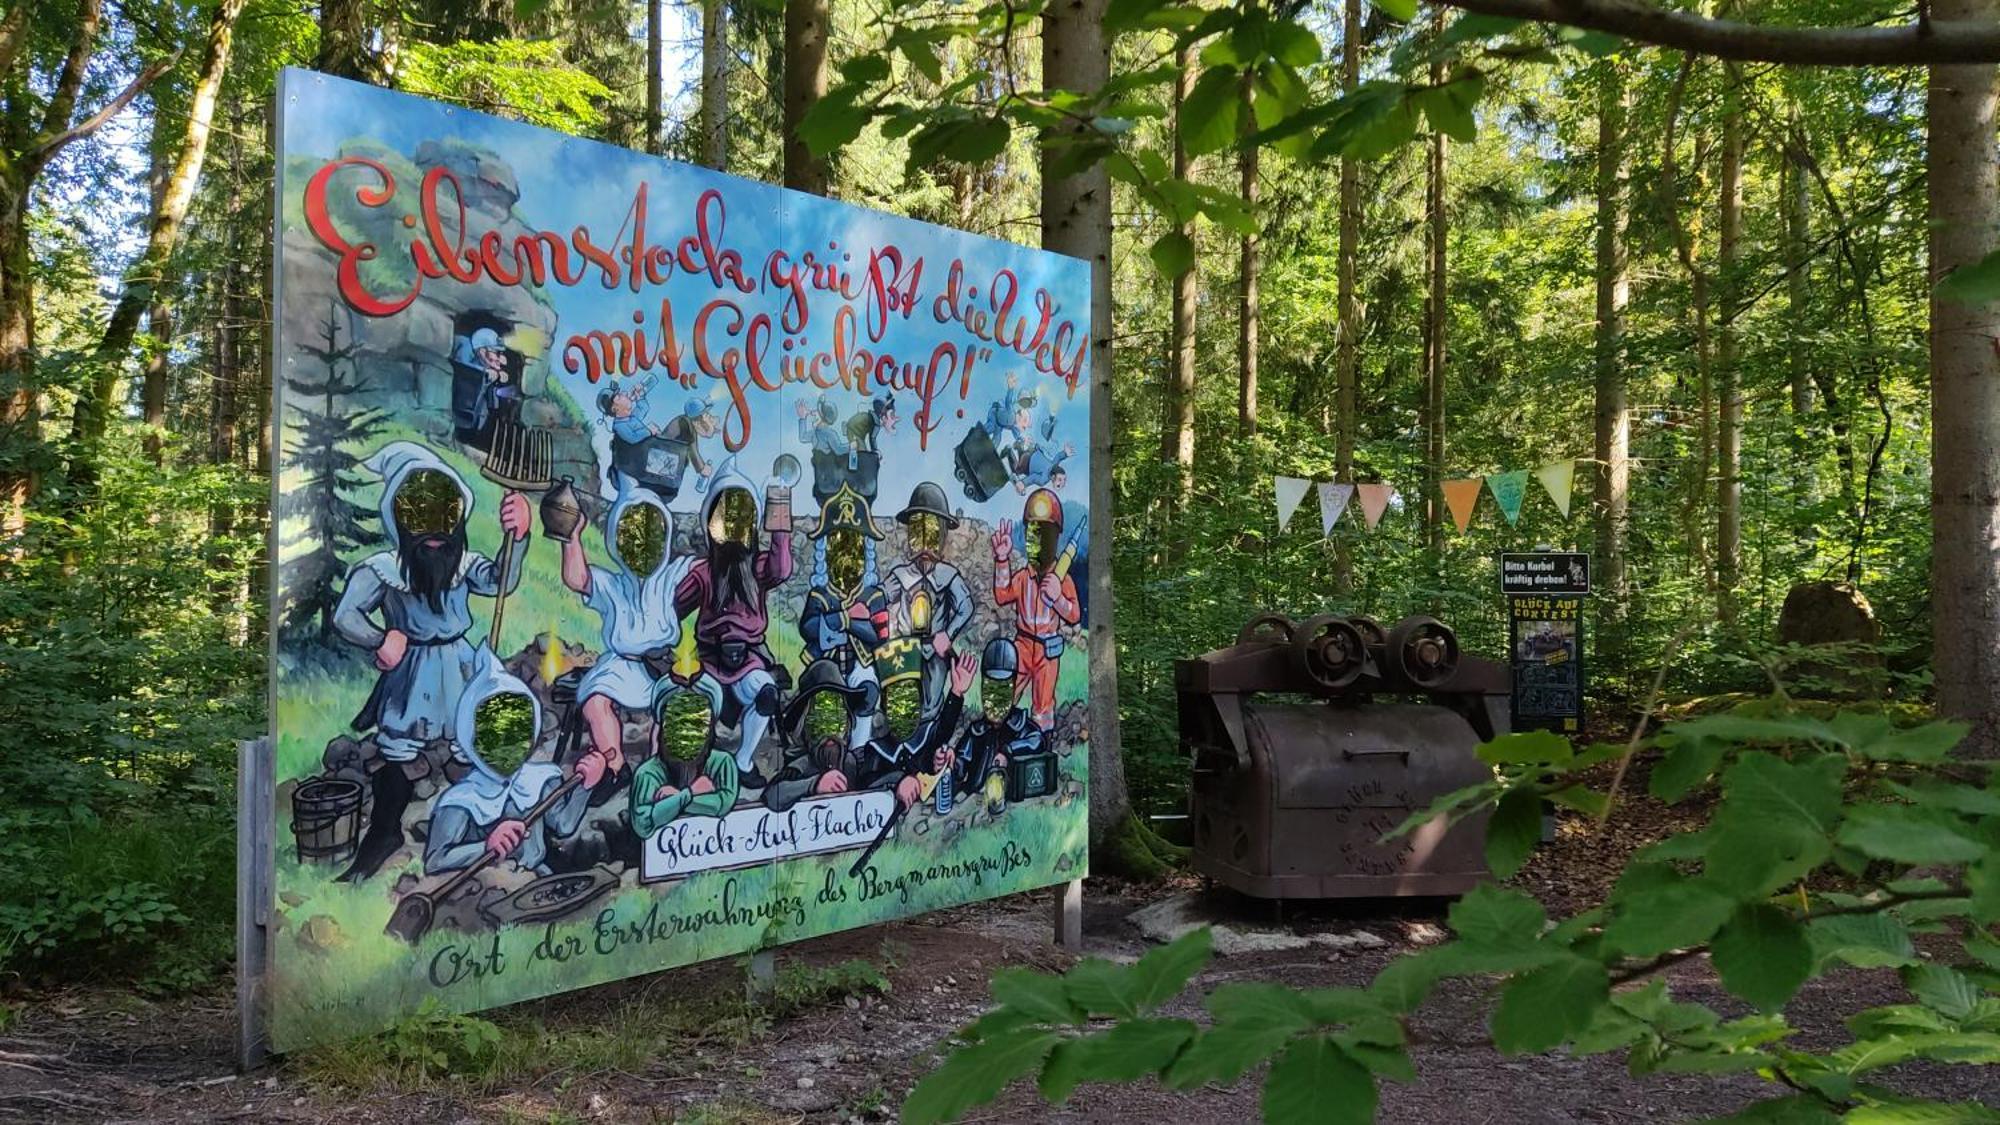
(1291, 490)
(1332, 502)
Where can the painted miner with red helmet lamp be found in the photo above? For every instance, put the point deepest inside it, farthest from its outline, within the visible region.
(1043, 596)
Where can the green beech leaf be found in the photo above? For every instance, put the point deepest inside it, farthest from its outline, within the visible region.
(975, 1075)
(1037, 994)
(1313, 1082)
(1762, 955)
(1402, 11)
(1976, 284)
(1208, 118)
(833, 120)
(1942, 989)
(1535, 747)
(1763, 788)
(1949, 795)
(1868, 941)
(1687, 763)
(1101, 988)
(1683, 912)
(1225, 1052)
(1160, 975)
(1258, 1003)
(1909, 835)
(1582, 799)
(1923, 1113)
(1128, 1051)
(1540, 1009)
(1497, 918)
(1513, 831)
(1172, 254)
(1797, 1109)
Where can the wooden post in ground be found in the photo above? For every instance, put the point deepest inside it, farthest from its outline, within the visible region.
(256, 808)
(1069, 915)
(762, 978)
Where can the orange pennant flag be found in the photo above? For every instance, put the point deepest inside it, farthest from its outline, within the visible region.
(1463, 496)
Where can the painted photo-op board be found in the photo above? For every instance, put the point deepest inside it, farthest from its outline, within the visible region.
(668, 565)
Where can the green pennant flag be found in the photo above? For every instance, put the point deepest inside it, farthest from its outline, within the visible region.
(1508, 490)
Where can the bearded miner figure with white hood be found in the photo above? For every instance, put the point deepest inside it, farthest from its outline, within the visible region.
(411, 607)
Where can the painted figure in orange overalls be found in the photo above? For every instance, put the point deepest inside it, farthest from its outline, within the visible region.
(1044, 600)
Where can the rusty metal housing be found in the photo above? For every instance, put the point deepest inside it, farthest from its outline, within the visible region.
(1309, 741)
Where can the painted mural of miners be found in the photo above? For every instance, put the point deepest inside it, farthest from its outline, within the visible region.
(681, 779)
(846, 612)
(485, 385)
(497, 808)
(1000, 732)
(929, 602)
(726, 591)
(634, 598)
(410, 607)
(817, 763)
(657, 457)
(846, 454)
(1043, 596)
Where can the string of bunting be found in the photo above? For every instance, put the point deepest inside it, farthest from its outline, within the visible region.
(1461, 497)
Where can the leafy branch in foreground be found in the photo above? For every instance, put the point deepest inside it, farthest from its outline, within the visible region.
(1834, 842)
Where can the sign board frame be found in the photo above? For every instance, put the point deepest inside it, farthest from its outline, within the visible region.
(923, 402)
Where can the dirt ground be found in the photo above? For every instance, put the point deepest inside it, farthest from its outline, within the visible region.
(99, 1056)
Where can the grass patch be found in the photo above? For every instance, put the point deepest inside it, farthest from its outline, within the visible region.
(670, 1024)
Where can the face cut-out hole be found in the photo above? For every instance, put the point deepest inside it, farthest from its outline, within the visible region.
(1042, 542)
(903, 706)
(926, 533)
(504, 732)
(428, 503)
(826, 719)
(996, 698)
(846, 558)
(642, 538)
(734, 518)
(682, 727)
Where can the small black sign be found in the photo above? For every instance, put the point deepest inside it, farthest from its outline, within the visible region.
(1545, 572)
(1545, 593)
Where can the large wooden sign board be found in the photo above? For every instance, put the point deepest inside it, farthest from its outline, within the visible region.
(667, 566)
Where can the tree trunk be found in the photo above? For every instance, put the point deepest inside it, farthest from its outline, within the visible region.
(145, 278)
(1177, 428)
(1247, 269)
(1614, 433)
(1798, 275)
(715, 84)
(1346, 357)
(1076, 220)
(1434, 330)
(1965, 395)
(1729, 391)
(343, 40)
(805, 84)
(655, 96)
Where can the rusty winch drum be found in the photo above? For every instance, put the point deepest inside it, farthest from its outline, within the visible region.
(1291, 797)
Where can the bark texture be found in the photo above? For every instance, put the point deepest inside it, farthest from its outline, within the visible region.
(805, 84)
(1965, 395)
(1613, 421)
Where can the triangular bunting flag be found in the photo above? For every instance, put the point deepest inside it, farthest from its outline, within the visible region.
(1332, 501)
(1374, 501)
(1559, 477)
(1463, 496)
(1291, 490)
(1509, 489)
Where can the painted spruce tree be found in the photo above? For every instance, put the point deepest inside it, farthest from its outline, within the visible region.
(325, 457)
